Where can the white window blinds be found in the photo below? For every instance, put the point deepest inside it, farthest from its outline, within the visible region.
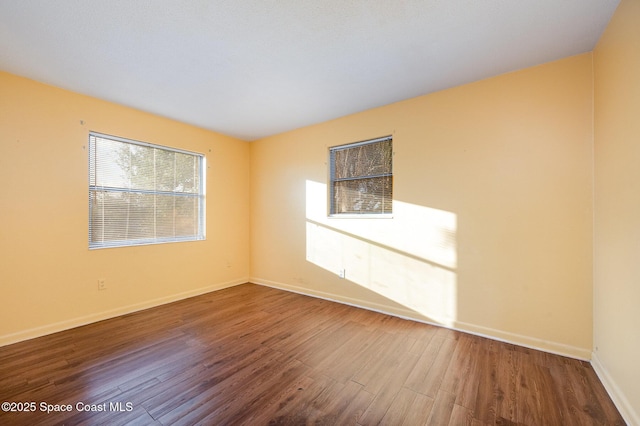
(143, 194)
(361, 177)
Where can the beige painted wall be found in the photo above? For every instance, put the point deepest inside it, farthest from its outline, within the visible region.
(48, 276)
(492, 227)
(617, 208)
(491, 231)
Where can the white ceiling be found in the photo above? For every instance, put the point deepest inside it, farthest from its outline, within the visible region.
(253, 68)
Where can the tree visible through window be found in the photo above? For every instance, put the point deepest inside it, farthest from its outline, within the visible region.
(361, 177)
(142, 194)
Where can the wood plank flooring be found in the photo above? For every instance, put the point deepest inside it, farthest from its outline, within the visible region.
(252, 355)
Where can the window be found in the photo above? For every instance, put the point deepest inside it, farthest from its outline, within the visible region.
(143, 194)
(361, 177)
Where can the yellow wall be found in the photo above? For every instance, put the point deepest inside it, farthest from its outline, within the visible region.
(617, 208)
(492, 227)
(491, 231)
(48, 277)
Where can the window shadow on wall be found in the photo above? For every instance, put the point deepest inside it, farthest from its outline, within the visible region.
(410, 259)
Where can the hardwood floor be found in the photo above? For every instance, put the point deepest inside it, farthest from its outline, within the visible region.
(259, 356)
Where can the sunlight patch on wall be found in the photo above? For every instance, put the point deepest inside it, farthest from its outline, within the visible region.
(409, 259)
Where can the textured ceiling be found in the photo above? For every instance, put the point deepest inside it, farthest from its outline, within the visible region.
(253, 68)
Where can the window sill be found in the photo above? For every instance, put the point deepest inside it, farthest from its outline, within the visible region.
(361, 216)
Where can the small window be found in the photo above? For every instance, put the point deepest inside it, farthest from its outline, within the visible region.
(361, 177)
(141, 193)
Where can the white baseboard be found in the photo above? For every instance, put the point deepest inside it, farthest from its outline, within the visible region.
(630, 415)
(383, 309)
(526, 341)
(88, 319)
(499, 335)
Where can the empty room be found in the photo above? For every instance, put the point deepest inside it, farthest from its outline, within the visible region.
(331, 213)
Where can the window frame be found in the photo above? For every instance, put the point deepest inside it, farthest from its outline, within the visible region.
(331, 213)
(199, 196)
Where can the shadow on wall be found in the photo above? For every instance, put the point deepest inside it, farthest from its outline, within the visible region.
(410, 259)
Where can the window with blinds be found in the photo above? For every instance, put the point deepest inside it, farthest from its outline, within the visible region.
(141, 193)
(361, 177)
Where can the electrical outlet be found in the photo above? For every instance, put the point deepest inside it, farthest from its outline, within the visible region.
(342, 273)
(102, 284)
